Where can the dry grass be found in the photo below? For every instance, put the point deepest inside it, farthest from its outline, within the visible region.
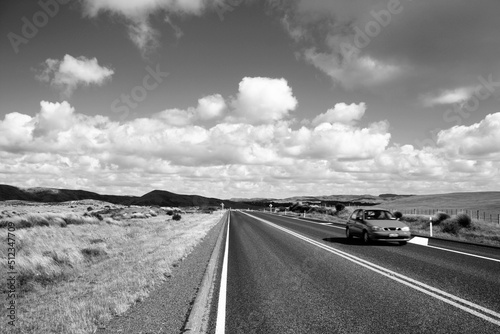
(76, 278)
(480, 232)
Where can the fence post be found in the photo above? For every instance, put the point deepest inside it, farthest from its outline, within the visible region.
(499, 219)
(477, 214)
(430, 226)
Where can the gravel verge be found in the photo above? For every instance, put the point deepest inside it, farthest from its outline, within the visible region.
(166, 308)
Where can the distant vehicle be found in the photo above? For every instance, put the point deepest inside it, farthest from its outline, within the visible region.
(376, 224)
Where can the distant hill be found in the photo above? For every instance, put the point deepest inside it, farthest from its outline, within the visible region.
(155, 197)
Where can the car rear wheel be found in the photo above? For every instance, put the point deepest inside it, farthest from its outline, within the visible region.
(348, 233)
(365, 237)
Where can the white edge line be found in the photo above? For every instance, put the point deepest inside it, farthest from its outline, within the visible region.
(399, 278)
(463, 253)
(221, 307)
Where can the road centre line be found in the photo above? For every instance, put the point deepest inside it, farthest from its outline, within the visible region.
(440, 248)
(448, 298)
(221, 307)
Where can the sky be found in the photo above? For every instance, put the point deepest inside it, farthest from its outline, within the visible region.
(247, 98)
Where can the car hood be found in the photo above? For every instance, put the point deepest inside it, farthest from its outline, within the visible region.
(386, 223)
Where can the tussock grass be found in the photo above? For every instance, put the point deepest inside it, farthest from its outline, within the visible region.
(73, 279)
(49, 219)
(460, 227)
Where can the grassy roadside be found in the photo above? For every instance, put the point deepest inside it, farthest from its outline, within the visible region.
(73, 278)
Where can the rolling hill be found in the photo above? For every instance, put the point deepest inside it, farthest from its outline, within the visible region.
(155, 197)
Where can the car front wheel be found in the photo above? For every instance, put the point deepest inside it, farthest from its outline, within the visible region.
(348, 233)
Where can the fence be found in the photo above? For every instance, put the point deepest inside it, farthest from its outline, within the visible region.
(487, 216)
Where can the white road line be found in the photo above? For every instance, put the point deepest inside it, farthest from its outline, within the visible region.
(458, 302)
(221, 308)
(463, 253)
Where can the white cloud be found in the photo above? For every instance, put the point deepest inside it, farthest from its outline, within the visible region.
(337, 141)
(458, 95)
(211, 107)
(137, 12)
(355, 71)
(342, 113)
(480, 140)
(263, 100)
(69, 73)
(199, 150)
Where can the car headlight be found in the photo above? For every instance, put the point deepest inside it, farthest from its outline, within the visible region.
(376, 228)
(405, 229)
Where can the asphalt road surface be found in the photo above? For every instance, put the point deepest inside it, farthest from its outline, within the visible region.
(287, 275)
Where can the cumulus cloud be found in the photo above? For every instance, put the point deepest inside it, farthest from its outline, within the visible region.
(200, 150)
(342, 113)
(53, 117)
(263, 100)
(69, 73)
(211, 107)
(479, 140)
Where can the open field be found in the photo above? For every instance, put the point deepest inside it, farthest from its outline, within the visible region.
(74, 277)
(483, 201)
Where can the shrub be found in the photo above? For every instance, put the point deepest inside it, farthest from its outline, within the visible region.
(450, 226)
(463, 220)
(170, 212)
(398, 215)
(339, 207)
(176, 216)
(439, 217)
(90, 208)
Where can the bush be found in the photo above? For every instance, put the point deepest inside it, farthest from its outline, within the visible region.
(170, 212)
(398, 215)
(176, 216)
(450, 226)
(463, 220)
(339, 207)
(439, 217)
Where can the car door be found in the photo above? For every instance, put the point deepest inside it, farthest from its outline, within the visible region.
(351, 222)
(356, 222)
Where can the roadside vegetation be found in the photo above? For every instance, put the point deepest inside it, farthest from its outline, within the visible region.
(458, 227)
(76, 271)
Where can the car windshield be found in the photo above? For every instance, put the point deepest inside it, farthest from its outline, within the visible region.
(378, 214)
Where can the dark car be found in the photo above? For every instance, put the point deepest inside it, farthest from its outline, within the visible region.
(377, 224)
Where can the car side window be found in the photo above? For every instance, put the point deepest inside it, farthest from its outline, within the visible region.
(360, 214)
(354, 215)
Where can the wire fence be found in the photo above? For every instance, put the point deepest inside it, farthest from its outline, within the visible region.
(487, 216)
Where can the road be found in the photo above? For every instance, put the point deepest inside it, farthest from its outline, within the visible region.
(287, 275)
